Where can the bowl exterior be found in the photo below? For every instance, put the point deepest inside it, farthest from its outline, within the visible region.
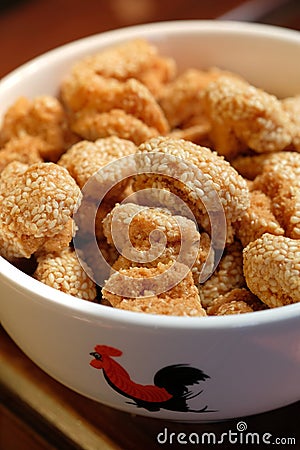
(248, 365)
(247, 369)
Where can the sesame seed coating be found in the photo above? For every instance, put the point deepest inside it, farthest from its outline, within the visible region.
(60, 240)
(36, 203)
(124, 97)
(17, 245)
(94, 93)
(181, 300)
(64, 272)
(236, 301)
(292, 106)
(217, 176)
(243, 116)
(227, 276)
(85, 159)
(43, 118)
(93, 125)
(25, 149)
(257, 220)
(181, 99)
(134, 59)
(272, 269)
(280, 180)
(182, 243)
(12, 248)
(12, 169)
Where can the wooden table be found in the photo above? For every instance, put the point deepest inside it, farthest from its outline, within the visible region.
(36, 412)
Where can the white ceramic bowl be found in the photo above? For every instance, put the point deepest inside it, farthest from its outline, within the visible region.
(252, 360)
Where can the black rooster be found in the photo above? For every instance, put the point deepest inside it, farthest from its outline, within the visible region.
(170, 390)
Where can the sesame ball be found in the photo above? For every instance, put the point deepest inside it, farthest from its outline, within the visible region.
(272, 269)
(37, 203)
(64, 272)
(200, 177)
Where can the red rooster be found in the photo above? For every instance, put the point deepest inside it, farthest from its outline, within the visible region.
(170, 390)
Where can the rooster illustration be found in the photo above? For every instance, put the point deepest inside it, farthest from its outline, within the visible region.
(170, 390)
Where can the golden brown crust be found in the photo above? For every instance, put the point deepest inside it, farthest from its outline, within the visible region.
(292, 106)
(243, 116)
(250, 166)
(84, 159)
(36, 204)
(59, 241)
(116, 122)
(180, 300)
(280, 180)
(178, 236)
(25, 149)
(43, 118)
(236, 301)
(181, 100)
(63, 271)
(257, 220)
(214, 176)
(227, 276)
(134, 59)
(95, 94)
(272, 269)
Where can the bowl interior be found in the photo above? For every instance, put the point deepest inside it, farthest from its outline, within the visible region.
(266, 56)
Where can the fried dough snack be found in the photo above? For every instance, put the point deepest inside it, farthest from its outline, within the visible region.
(227, 276)
(104, 95)
(113, 123)
(25, 149)
(63, 271)
(89, 94)
(243, 116)
(36, 205)
(181, 300)
(236, 301)
(292, 106)
(181, 99)
(272, 269)
(183, 242)
(280, 180)
(12, 169)
(84, 159)
(134, 59)
(257, 220)
(43, 118)
(217, 176)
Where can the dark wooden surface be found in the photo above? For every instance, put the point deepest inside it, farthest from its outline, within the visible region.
(36, 412)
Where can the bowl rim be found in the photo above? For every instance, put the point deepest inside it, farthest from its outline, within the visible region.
(182, 26)
(94, 312)
(91, 311)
